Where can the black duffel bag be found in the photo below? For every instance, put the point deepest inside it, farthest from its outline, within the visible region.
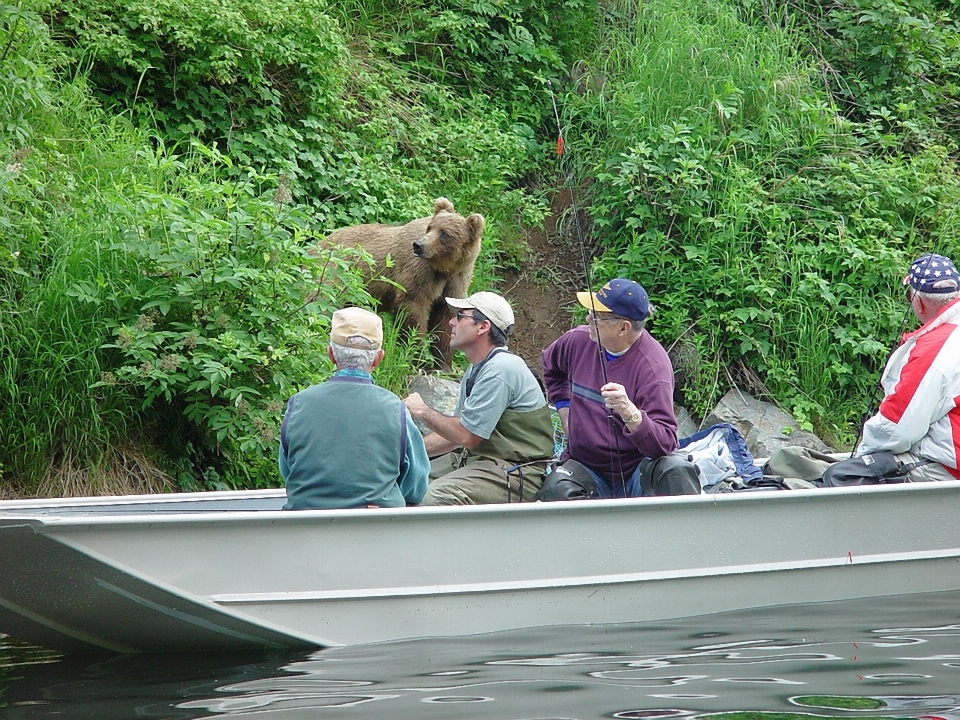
(569, 480)
(877, 468)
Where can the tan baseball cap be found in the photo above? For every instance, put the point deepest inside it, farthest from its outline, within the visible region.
(355, 322)
(493, 306)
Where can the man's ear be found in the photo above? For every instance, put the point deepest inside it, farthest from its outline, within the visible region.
(378, 359)
(330, 354)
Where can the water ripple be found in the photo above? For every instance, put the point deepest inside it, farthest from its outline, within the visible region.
(847, 658)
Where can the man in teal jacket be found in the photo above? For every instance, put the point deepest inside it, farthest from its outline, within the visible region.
(347, 443)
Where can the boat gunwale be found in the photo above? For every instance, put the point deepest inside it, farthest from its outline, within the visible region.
(14, 512)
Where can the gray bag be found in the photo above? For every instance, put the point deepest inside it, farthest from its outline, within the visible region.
(798, 462)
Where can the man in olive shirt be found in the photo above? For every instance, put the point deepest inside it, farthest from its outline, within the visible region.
(502, 428)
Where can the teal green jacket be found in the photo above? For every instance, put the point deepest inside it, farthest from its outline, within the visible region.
(347, 443)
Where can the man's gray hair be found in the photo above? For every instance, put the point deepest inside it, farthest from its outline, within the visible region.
(354, 358)
(637, 325)
(937, 300)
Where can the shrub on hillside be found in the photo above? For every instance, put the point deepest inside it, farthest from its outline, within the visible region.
(892, 62)
(152, 302)
(213, 328)
(278, 85)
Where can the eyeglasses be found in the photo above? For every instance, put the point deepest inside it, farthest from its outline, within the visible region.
(464, 315)
(604, 316)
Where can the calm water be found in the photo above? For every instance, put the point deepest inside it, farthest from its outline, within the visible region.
(896, 657)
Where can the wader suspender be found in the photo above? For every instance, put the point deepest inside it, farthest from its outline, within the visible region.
(403, 440)
(472, 380)
(468, 388)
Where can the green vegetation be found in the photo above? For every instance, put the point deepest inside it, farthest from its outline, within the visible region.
(841, 703)
(312, 90)
(773, 229)
(766, 169)
(166, 169)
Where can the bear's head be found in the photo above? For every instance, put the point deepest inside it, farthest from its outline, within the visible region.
(451, 242)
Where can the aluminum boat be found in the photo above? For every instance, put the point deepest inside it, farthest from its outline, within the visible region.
(223, 570)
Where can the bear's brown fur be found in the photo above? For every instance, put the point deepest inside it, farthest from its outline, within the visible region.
(432, 258)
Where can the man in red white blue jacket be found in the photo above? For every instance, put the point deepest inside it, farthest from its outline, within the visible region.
(919, 418)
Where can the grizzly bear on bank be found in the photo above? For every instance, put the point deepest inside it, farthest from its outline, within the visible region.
(432, 258)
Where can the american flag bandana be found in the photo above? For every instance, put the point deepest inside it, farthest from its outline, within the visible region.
(932, 273)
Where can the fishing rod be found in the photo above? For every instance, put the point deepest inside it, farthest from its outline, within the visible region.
(877, 395)
(601, 353)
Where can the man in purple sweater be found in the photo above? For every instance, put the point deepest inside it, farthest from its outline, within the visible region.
(623, 429)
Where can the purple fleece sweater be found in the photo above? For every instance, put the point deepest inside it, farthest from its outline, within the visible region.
(572, 371)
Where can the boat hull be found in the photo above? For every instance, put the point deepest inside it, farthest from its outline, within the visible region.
(147, 574)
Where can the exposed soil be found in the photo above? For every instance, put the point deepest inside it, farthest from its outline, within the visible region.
(543, 296)
(543, 292)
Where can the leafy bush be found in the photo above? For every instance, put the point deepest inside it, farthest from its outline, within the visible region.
(209, 70)
(151, 303)
(503, 49)
(56, 152)
(214, 326)
(896, 62)
(275, 85)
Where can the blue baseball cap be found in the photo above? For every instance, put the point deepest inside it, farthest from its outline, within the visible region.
(622, 297)
(932, 273)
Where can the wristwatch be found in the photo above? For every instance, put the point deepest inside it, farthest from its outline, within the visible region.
(633, 419)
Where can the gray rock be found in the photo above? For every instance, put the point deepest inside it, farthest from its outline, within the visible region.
(764, 426)
(687, 426)
(437, 392)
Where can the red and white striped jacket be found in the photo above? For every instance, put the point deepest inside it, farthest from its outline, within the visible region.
(921, 408)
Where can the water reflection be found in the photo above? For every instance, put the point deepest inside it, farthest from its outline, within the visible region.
(896, 657)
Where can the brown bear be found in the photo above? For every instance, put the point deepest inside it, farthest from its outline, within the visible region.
(432, 258)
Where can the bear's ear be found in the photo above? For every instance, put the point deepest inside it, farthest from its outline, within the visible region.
(442, 203)
(476, 223)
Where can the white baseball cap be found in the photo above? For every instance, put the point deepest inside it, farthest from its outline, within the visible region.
(493, 306)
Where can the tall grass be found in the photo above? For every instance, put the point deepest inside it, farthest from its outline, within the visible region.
(405, 351)
(60, 153)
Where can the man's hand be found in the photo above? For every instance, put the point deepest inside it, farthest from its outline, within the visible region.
(446, 426)
(415, 404)
(615, 397)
